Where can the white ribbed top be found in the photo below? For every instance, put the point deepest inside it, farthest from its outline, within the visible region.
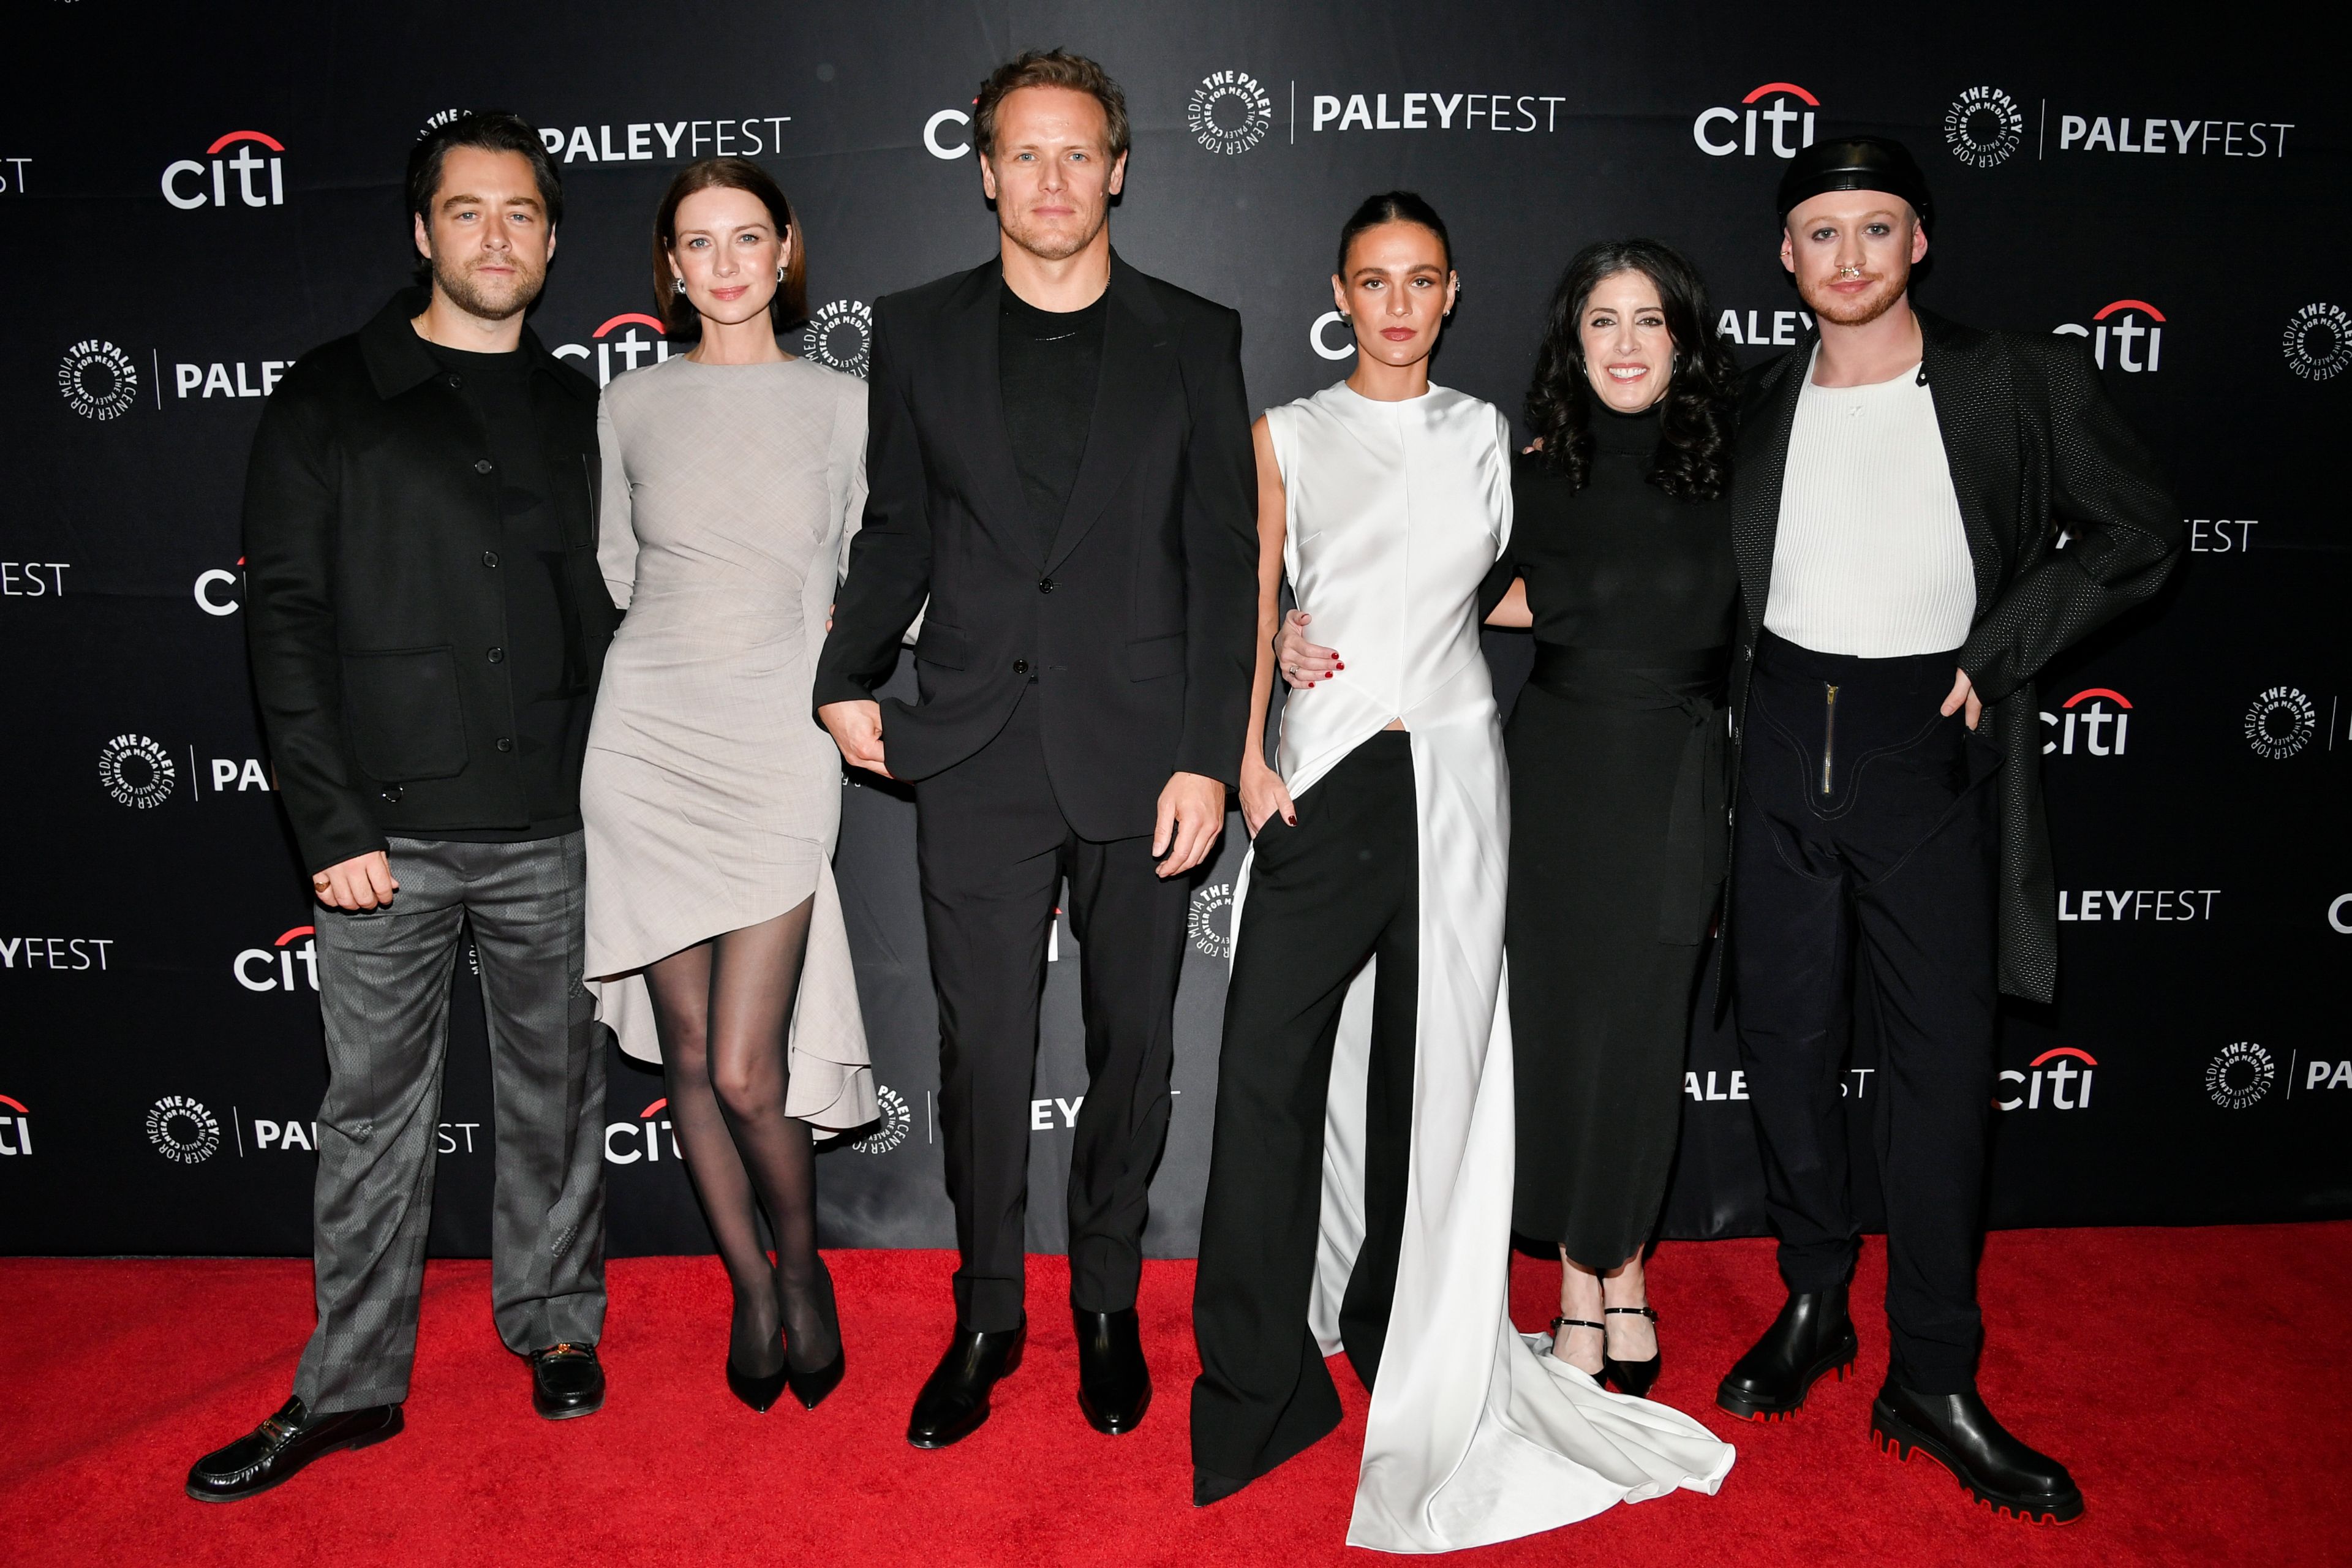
(1870, 558)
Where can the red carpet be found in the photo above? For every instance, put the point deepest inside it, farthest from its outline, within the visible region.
(2198, 1382)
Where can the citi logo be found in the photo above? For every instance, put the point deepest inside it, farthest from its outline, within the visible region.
(1769, 105)
(214, 588)
(272, 968)
(15, 1132)
(2068, 1087)
(620, 337)
(2086, 715)
(2121, 322)
(185, 186)
(644, 1133)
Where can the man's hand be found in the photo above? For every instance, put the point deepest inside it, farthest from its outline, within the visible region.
(362, 882)
(856, 728)
(1191, 814)
(1964, 692)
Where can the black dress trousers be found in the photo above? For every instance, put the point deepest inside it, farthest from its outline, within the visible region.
(1864, 867)
(1341, 887)
(992, 849)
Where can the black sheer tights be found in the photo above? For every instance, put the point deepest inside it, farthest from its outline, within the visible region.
(724, 1011)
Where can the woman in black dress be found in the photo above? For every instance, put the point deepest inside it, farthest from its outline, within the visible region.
(1621, 560)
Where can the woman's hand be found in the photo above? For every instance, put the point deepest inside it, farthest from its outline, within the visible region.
(1302, 662)
(1264, 795)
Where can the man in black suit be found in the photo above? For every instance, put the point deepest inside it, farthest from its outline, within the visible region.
(1060, 463)
(1926, 514)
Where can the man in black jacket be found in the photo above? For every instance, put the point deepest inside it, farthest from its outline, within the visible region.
(426, 623)
(1060, 463)
(1926, 515)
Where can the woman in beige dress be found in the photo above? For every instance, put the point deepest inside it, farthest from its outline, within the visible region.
(733, 476)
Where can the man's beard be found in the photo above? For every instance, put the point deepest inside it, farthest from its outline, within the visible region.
(1860, 310)
(1055, 244)
(468, 294)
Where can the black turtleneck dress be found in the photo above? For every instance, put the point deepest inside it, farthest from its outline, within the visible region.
(1617, 828)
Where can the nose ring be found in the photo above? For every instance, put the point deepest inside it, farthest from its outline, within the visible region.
(1849, 271)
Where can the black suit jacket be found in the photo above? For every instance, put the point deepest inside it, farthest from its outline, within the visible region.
(374, 600)
(1139, 623)
(2039, 456)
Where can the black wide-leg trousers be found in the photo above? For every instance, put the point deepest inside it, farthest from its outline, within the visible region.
(992, 849)
(1340, 888)
(1864, 867)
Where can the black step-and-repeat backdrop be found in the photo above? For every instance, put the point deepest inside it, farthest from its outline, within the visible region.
(190, 197)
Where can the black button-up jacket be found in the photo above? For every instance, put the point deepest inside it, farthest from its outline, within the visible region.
(374, 612)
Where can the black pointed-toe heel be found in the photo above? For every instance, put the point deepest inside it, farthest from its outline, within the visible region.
(759, 1393)
(1559, 1324)
(1634, 1377)
(811, 1387)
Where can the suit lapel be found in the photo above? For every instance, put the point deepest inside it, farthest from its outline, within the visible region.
(1137, 367)
(977, 407)
(1763, 464)
(1957, 378)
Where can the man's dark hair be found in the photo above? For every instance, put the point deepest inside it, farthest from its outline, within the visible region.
(491, 131)
(1048, 68)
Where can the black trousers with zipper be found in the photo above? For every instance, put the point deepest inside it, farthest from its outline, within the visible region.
(1863, 868)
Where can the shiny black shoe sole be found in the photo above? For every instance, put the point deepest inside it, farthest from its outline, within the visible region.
(566, 1412)
(973, 1419)
(1839, 1361)
(811, 1387)
(279, 1477)
(1116, 1426)
(1899, 1440)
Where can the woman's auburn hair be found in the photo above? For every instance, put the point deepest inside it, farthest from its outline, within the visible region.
(789, 307)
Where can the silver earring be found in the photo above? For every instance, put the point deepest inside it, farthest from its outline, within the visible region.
(678, 285)
(780, 274)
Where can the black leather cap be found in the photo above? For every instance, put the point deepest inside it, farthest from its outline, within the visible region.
(1857, 164)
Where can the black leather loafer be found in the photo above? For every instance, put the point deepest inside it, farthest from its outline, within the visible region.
(278, 1449)
(1959, 1432)
(1114, 1383)
(566, 1380)
(954, 1400)
(1811, 1338)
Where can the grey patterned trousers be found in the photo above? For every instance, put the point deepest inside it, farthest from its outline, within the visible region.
(383, 984)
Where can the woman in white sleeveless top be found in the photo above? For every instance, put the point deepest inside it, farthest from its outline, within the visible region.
(1359, 1190)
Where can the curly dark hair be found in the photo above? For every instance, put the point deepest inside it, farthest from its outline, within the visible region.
(1694, 416)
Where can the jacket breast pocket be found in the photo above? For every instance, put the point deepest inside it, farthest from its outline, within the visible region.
(402, 711)
(942, 645)
(1149, 659)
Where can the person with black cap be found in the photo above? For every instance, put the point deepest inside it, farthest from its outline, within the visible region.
(1924, 515)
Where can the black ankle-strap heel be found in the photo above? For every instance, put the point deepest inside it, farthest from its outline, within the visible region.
(1559, 1324)
(1634, 1377)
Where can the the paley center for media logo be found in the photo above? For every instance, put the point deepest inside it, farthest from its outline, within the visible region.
(97, 379)
(2318, 342)
(1229, 112)
(1984, 127)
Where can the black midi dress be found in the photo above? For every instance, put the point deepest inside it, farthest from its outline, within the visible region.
(1617, 829)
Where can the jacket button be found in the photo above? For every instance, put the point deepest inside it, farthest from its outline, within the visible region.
(455, 383)
(483, 466)
(505, 744)
(1045, 584)
(1020, 667)
(497, 656)
(393, 793)
(489, 557)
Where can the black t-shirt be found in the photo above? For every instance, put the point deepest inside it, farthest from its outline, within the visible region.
(1048, 363)
(552, 698)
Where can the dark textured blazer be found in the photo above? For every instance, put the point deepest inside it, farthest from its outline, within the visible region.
(1138, 623)
(374, 603)
(2037, 453)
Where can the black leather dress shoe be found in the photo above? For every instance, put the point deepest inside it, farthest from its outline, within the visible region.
(1114, 1384)
(954, 1400)
(566, 1380)
(1959, 1432)
(277, 1450)
(1811, 1337)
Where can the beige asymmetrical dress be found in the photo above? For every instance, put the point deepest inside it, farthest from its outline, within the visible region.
(711, 798)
